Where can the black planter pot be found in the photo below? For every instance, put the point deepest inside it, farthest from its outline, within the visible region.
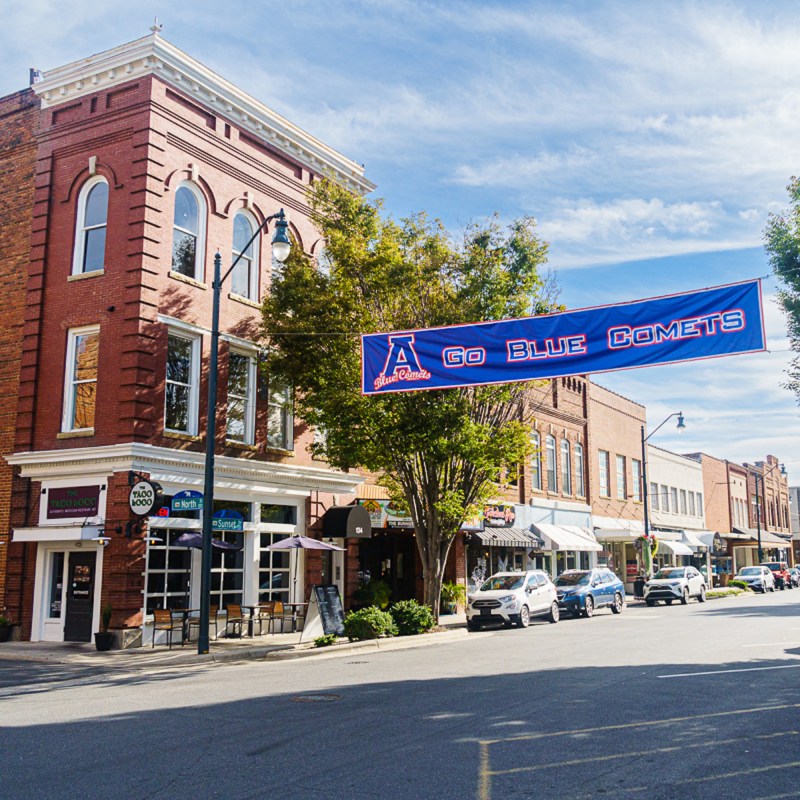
(5, 632)
(103, 641)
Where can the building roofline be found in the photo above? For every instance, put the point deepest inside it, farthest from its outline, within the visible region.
(154, 55)
(616, 394)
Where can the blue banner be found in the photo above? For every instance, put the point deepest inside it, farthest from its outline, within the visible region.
(720, 321)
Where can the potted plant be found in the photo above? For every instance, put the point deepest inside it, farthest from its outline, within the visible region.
(453, 595)
(5, 628)
(103, 639)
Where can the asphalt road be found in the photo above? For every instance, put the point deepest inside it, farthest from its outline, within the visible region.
(697, 701)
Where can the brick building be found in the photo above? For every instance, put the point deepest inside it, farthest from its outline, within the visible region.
(122, 174)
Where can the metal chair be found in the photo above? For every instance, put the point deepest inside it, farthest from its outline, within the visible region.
(234, 617)
(261, 613)
(213, 619)
(164, 620)
(281, 614)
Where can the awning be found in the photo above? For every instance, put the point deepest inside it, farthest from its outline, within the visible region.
(676, 548)
(696, 540)
(57, 533)
(566, 537)
(352, 522)
(767, 537)
(613, 529)
(506, 537)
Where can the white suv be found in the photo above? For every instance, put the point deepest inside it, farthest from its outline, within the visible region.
(513, 598)
(675, 583)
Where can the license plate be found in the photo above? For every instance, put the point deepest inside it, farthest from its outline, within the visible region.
(486, 612)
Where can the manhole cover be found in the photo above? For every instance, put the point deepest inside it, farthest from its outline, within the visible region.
(316, 698)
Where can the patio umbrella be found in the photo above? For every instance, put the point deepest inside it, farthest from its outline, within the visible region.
(301, 543)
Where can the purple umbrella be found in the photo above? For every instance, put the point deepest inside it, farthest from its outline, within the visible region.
(301, 543)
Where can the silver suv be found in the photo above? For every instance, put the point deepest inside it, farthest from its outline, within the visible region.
(513, 598)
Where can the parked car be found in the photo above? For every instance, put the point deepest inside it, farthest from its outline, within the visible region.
(759, 579)
(513, 598)
(675, 583)
(780, 571)
(794, 576)
(581, 591)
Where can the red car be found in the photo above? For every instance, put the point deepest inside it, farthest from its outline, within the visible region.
(780, 569)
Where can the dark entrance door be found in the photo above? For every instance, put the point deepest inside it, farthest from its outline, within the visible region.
(80, 598)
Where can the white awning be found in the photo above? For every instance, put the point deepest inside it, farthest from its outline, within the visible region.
(566, 537)
(57, 533)
(698, 540)
(676, 548)
(614, 529)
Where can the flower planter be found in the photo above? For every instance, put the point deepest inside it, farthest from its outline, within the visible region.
(5, 632)
(103, 641)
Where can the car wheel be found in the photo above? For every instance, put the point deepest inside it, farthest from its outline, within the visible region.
(650, 602)
(588, 606)
(555, 614)
(616, 606)
(772, 588)
(668, 602)
(473, 626)
(685, 596)
(781, 585)
(701, 598)
(524, 617)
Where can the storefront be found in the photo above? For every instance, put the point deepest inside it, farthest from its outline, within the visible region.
(617, 538)
(744, 550)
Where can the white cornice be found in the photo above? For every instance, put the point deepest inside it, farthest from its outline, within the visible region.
(153, 55)
(181, 466)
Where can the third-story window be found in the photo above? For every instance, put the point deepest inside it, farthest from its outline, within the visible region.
(187, 234)
(280, 423)
(654, 496)
(90, 235)
(566, 468)
(244, 278)
(622, 483)
(241, 398)
(536, 461)
(636, 477)
(580, 484)
(605, 490)
(183, 369)
(550, 453)
(81, 379)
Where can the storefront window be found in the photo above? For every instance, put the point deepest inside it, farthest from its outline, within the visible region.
(284, 515)
(168, 573)
(273, 567)
(56, 584)
(227, 570)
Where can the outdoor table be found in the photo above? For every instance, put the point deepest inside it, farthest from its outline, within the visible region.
(185, 614)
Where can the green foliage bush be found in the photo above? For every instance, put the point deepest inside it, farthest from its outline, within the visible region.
(326, 640)
(734, 584)
(373, 593)
(411, 618)
(454, 593)
(369, 623)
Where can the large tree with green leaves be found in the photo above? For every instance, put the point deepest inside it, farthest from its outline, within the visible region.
(782, 240)
(442, 453)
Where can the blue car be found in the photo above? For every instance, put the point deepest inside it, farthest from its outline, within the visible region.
(581, 591)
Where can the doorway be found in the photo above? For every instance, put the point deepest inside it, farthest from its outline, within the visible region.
(80, 597)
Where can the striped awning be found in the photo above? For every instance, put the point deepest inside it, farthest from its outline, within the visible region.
(506, 537)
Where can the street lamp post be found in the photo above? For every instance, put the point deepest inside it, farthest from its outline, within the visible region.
(758, 503)
(281, 246)
(681, 427)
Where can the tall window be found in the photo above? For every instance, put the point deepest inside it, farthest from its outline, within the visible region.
(691, 504)
(280, 422)
(566, 468)
(182, 384)
(244, 279)
(536, 461)
(636, 470)
(90, 232)
(241, 398)
(604, 465)
(580, 483)
(188, 232)
(673, 499)
(273, 569)
(80, 392)
(168, 573)
(665, 498)
(550, 449)
(227, 570)
(684, 509)
(699, 504)
(622, 483)
(654, 496)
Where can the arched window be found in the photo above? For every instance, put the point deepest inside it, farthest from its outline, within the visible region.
(536, 461)
(90, 233)
(188, 232)
(550, 447)
(244, 279)
(566, 468)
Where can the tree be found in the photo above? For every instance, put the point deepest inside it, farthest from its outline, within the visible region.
(782, 241)
(441, 453)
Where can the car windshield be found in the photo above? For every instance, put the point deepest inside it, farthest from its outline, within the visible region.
(503, 582)
(573, 579)
(773, 565)
(674, 572)
(750, 571)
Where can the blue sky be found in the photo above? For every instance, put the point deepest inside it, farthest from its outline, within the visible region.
(649, 140)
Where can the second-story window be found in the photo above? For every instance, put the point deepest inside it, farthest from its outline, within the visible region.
(550, 448)
(673, 500)
(280, 422)
(691, 504)
(580, 484)
(636, 476)
(241, 399)
(90, 233)
(566, 468)
(622, 483)
(536, 461)
(182, 384)
(81, 379)
(665, 498)
(654, 496)
(603, 464)
(244, 278)
(188, 232)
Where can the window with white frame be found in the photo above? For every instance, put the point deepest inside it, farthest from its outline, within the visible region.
(536, 461)
(244, 278)
(280, 419)
(604, 467)
(273, 569)
(580, 483)
(241, 397)
(654, 496)
(691, 504)
(227, 570)
(90, 231)
(665, 498)
(168, 573)
(636, 475)
(684, 509)
(566, 468)
(188, 232)
(673, 499)
(622, 483)
(699, 504)
(550, 452)
(80, 390)
(182, 383)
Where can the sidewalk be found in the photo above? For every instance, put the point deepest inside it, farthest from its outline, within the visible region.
(273, 647)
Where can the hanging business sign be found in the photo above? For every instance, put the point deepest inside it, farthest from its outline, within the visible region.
(145, 498)
(721, 321)
(188, 500)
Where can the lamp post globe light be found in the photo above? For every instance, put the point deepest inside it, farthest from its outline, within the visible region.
(758, 503)
(681, 427)
(281, 246)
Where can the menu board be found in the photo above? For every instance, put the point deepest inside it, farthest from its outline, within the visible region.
(325, 613)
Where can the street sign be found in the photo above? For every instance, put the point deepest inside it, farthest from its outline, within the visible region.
(145, 497)
(188, 500)
(227, 521)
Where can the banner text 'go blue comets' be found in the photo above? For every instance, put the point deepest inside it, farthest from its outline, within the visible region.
(720, 321)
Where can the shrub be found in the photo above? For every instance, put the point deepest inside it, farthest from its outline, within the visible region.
(454, 593)
(411, 618)
(369, 623)
(4, 620)
(734, 584)
(326, 640)
(374, 592)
